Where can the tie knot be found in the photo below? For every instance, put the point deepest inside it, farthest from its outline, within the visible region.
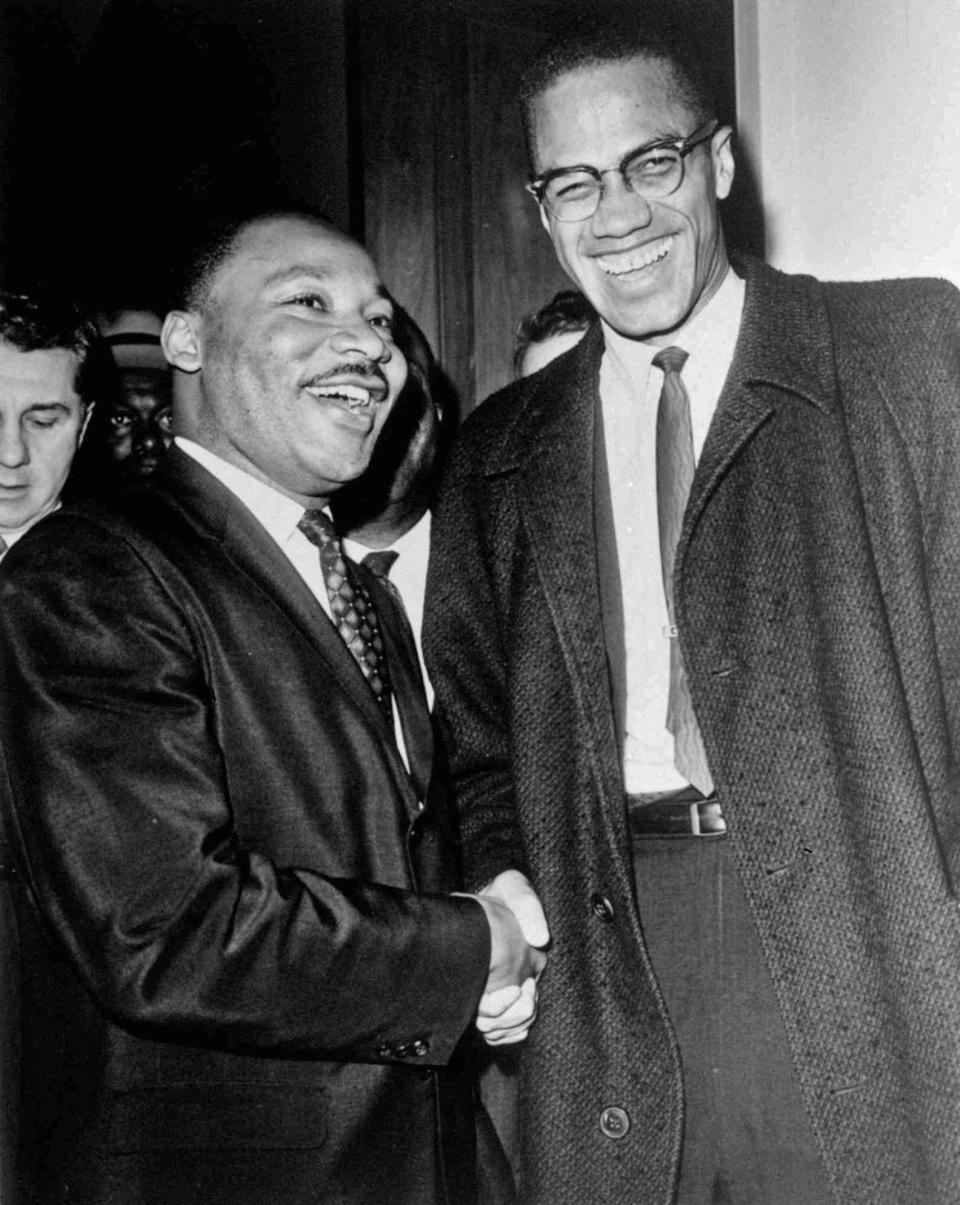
(670, 359)
(381, 561)
(317, 526)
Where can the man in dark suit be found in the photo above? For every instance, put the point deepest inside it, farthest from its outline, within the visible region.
(257, 980)
(693, 626)
(46, 398)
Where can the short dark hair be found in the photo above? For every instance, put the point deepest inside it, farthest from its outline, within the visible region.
(592, 41)
(565, 312)
(211, 242)
(49, 322)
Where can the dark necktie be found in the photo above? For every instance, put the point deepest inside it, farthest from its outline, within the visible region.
(407, 680)
(3, 547)
(354, 614)
(380, 562)
(675, 469)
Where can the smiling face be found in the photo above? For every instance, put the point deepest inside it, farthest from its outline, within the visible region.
(645, 265)
(41, 420)
(295, 354)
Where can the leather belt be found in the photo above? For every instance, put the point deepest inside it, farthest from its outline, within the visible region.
(683, 813)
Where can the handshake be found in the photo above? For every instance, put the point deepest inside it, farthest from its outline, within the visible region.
(518, 937)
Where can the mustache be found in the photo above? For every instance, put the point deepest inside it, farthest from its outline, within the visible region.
(354, 368)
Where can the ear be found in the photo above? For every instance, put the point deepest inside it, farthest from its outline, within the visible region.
(180, 340)
(721, 152)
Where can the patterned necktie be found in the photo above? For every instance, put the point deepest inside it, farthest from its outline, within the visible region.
(675, 469)
(353, 611)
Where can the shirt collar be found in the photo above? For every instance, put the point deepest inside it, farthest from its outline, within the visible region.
(708, 337)
(278, 513)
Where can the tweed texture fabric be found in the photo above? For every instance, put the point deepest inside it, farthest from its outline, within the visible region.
(817, 582)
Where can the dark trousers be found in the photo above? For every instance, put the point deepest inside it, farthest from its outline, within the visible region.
(747, 1139)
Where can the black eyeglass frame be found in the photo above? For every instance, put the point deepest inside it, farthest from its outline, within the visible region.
(683, 146)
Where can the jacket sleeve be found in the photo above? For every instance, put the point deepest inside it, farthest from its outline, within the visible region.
(121, 811)
(466, 651)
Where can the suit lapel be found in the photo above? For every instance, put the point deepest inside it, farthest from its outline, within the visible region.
(221, 517)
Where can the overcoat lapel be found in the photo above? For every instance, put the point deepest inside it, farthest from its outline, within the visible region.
(220, 517)
(784, 348)
(556, 484)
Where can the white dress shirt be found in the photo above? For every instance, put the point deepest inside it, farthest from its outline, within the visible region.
(273, 510)
(629, 394)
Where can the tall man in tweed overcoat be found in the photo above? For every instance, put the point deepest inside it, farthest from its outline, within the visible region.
(754, 986)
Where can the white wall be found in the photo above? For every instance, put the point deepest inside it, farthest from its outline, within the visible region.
(850, 112)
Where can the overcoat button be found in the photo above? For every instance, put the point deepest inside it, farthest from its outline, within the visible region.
(602, 908)
(386, 1051)
(614, 1122)
(419, 1047)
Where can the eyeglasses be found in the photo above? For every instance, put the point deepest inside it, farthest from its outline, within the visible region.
(572, 194)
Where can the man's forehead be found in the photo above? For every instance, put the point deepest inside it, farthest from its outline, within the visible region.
(639, 96)
(49, 370)
(277, 249)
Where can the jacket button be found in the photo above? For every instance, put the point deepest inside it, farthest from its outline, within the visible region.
(602, 908)
(614, 1122)
(419, 1047)
(386, 1050)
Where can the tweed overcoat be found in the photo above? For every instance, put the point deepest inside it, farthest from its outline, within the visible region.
(256, 984)
(818, 602)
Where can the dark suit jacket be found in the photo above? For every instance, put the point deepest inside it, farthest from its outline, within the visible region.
(251, 994)
(818, 601)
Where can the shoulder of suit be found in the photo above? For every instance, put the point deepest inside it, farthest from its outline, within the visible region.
(98, 535)
(900, 325)
(901, 303)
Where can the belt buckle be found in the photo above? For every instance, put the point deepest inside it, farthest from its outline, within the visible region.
(669, 816)
(706, 819)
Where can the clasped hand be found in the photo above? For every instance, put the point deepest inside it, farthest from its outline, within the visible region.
(518, 936)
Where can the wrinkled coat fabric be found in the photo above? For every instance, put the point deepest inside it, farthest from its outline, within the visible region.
(245, 997)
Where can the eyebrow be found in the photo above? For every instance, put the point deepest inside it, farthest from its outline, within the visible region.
(47, 406)
(319, 272)
(291, 273)
(649, 145)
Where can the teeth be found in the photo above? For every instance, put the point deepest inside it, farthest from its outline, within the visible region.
(355, 397)
(633, 261)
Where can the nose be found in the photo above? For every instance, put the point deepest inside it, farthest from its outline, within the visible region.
(357, 335)
(147, 441)
(620, 210)
(13, 447)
